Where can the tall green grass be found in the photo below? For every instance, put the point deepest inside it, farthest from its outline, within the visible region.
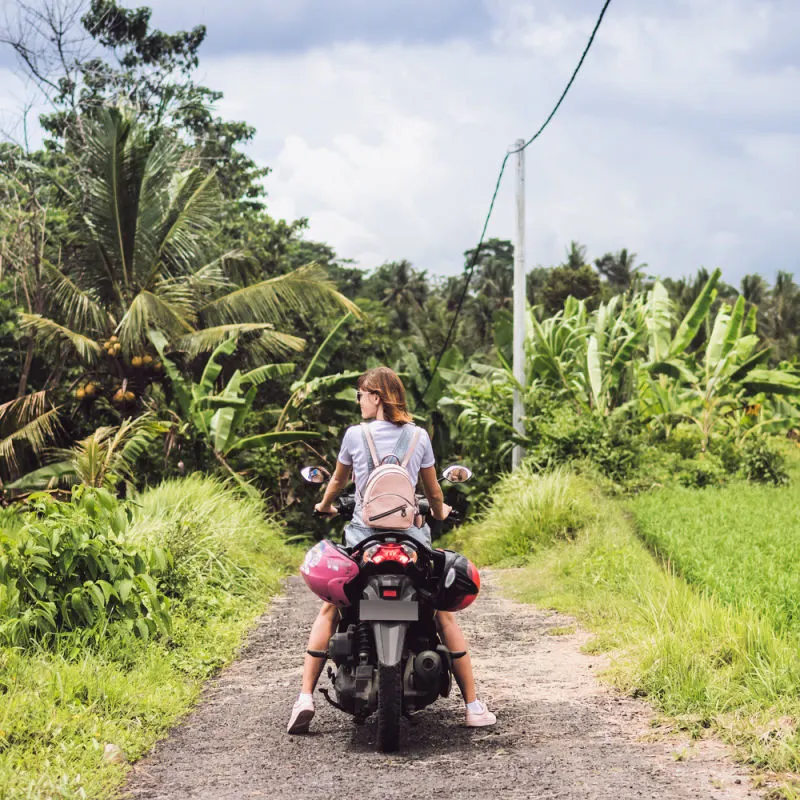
(701, 661)
(60, 706)
(741, 542)
(529, 511)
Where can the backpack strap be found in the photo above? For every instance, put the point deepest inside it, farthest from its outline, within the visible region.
(403, 450)
(411, 447)
(372, 454)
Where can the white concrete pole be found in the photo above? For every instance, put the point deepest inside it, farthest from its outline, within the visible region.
(519, 301)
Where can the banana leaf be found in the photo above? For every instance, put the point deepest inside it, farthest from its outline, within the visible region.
(274, 437)
(690, 324)
(772, 381)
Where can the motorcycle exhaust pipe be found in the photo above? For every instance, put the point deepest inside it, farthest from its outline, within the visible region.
(428, 667)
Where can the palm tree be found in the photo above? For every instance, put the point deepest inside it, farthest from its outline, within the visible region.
(101, 460)
(620, 270)
(407, 291)
(576, 255)
(754, 289)
(27, 423)
(782, 316)
(148, 259)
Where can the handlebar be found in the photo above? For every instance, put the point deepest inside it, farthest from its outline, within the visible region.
(345, 505)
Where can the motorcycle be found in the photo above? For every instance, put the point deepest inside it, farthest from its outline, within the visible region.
(387, 652)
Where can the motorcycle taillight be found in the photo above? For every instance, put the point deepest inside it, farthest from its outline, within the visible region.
(399, 553)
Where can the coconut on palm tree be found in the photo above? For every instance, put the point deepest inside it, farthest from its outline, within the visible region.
(147, 259)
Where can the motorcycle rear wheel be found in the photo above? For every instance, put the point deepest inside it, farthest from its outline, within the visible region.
(390, 708)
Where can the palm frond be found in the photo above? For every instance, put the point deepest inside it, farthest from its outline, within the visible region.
(163, 163)
(23, 408)
(305, 290)
(148, 311)
(268, 343)
(193, 216)
(177, 293)
(141, 434)
(116, 158)
(88, 456)
(212, 276)
(31, 426)
(49, 334)
(80, 308)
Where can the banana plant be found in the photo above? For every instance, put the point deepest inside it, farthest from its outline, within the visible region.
(219, 416)
(315, 386)
(611, 351)
(665, 349)
(730, 371)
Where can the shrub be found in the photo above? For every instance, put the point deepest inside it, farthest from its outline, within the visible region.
(763, 464)
(60, 704)
(528, 511)
(702, 472)
(685, 440)
(729, 454)
(612, 444)
(69, 567)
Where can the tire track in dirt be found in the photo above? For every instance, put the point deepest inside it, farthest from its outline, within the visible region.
(560, 733)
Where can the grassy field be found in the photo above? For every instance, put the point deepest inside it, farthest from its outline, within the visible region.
(741, 542)
(703, 661)
(60, 705)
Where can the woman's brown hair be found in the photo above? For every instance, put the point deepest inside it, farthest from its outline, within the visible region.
(387, 384)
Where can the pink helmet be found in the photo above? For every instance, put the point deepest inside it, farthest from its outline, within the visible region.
(327, 570)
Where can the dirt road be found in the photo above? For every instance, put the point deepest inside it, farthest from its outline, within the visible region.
(560, 733)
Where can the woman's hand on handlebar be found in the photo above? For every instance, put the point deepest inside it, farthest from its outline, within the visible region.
(325, 511)
(444, 513)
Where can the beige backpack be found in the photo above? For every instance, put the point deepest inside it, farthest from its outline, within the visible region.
(389, 497)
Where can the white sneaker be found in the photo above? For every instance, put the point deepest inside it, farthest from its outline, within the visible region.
(479, 719)
(302, 714)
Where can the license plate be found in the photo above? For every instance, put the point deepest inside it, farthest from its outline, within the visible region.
(389, 610)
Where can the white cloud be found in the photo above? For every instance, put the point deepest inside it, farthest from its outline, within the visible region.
(665, 144)
(679, 139)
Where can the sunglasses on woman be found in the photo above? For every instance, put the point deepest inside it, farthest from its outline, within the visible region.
(360, 394)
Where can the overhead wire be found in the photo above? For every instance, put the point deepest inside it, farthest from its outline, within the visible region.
(476, 253)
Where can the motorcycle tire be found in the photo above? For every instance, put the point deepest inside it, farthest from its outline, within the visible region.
(390, 708)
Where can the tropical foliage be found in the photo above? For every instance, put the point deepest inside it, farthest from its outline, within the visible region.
(633, 354)
(171, 355)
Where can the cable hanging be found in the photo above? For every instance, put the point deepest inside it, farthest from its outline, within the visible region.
(476, 254)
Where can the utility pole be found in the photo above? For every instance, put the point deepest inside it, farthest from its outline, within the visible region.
(519, 301)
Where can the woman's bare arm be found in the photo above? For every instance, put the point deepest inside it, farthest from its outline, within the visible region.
(433, 492)
(336, 485)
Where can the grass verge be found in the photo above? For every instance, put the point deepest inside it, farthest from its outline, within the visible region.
(62, 704)
(702, 662)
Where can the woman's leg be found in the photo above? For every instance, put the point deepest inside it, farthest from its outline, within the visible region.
(321, 631)
(454, 640)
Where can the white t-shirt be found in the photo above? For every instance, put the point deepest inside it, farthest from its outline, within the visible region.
(353, 452)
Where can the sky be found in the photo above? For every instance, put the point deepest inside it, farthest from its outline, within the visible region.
(385, 123)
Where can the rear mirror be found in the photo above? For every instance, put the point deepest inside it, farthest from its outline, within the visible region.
(456, 473)
(315, 474)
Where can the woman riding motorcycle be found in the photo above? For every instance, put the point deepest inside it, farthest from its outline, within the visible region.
(382, 398)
